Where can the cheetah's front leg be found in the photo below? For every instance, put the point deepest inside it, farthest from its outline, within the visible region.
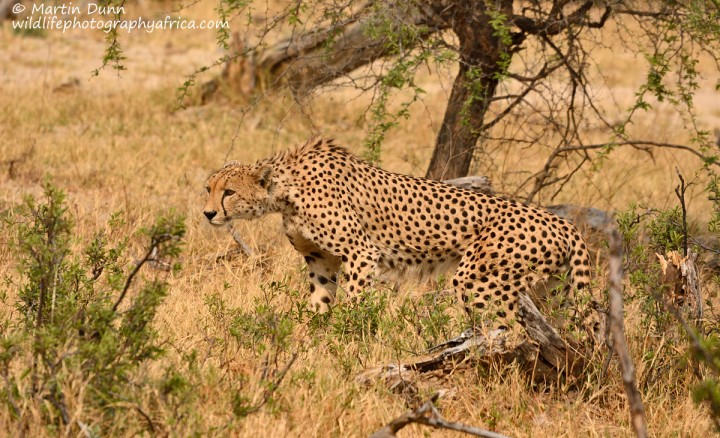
(323, 269)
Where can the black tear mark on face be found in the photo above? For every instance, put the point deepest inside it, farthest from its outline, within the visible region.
(222, 200)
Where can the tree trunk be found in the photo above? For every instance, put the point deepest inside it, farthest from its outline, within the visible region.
(474, 87)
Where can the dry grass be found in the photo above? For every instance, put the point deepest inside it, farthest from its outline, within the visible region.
(116, 143)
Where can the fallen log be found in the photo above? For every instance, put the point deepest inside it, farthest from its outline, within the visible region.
(543, 353)
(588, 216)
(478, 183)
(306, 60)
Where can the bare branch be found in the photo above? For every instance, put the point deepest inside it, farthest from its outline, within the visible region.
(146, 417)
(154, 244)
(553, 27)
(307, 60)
(239, 240)
(680, 192)
(638, 144)
(637, 410)
(541, 177)
(428, 415)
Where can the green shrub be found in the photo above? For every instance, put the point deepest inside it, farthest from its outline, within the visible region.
(679, 341)
(85, 319)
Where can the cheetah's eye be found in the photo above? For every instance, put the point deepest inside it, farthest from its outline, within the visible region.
(208, 189)
(229, 192)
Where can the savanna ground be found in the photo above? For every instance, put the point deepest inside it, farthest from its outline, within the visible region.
(119, 143)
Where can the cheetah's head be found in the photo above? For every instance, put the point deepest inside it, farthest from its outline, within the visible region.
(237, 192)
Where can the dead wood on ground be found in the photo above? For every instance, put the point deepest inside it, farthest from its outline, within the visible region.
(544, 354)
(680, 274)
(593, 217)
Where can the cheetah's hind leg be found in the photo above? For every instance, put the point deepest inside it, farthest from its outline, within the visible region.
(489, 286)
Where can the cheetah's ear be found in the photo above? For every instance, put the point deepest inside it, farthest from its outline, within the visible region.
(263, 176)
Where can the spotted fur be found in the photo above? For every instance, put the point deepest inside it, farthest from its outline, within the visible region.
(339, 210)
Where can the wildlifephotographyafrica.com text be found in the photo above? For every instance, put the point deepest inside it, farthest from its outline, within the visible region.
(67, 16)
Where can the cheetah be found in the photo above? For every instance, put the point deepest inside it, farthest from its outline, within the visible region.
(340, 211)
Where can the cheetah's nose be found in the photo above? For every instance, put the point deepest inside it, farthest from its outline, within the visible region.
(210, 214)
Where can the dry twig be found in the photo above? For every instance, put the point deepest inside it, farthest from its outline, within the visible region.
(428, 415)
(680, 192)
(637, 410)
(242, 247)
(273, 386)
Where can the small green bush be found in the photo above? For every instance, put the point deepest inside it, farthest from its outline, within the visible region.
(84, 323)
(682, 342)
